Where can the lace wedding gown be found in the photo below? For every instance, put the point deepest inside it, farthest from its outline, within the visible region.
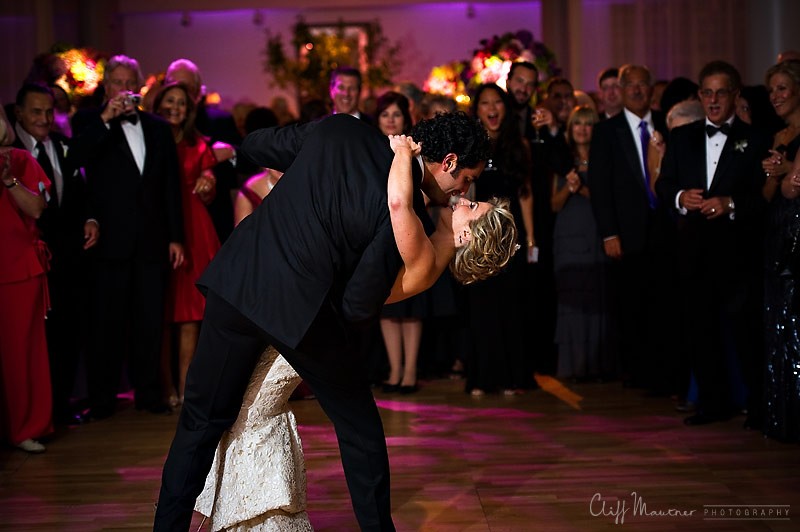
(258, 479)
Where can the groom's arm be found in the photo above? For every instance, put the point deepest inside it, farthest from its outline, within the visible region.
(276, 147)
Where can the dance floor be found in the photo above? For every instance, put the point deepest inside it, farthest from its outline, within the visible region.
(565, 457)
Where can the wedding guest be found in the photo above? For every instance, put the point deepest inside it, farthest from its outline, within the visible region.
(783, 82)
(25, 396)
(582, 323)
(781, 406)
(434, 104)
(414, 95)
(609, 91)
(345, 92)
(69, 232)
(217, 125)
(255, 189)
(133, 182)
(636, 234)
(720, 237)
(499, 361)
(400, 323)
(753, 107)
(184, 303)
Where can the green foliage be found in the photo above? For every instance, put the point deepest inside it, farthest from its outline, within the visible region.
(318, 53)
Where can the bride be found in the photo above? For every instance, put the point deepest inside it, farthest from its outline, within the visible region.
(257, 482)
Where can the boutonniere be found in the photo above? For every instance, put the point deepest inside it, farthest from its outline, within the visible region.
(64, 148)
(740, 145)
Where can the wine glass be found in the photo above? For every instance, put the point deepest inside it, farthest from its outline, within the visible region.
(536, 118)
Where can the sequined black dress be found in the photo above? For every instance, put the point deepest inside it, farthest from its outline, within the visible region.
(782, 309)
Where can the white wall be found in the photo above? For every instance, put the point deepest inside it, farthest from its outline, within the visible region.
(228, 47)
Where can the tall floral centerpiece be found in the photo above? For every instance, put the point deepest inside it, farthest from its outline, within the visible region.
(490, 64)
(320, 49)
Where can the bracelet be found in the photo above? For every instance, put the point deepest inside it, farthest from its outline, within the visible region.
(14, 182)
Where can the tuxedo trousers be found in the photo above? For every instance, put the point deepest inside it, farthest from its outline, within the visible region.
(228, 349)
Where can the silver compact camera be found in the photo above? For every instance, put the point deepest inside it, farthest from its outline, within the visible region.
(134, 99)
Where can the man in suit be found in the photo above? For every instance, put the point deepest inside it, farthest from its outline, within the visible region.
(712, 177)
(609, 92)
(634, 228)
(132, 174)
(68, 231)
(306, 272)
(345, 92)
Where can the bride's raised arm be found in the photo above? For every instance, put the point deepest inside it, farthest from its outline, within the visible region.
(417, 251)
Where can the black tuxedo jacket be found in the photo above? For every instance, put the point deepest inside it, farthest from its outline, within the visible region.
(615, 177)
(62, 221)
(139, 213)
(322, 237)
(738, 175)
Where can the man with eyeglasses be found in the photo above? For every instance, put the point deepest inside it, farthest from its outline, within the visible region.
(711, 177)
(635, 232)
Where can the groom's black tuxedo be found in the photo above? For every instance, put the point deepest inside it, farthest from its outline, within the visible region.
(316, 257)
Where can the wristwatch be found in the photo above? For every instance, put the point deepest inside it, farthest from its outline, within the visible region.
(14, 182)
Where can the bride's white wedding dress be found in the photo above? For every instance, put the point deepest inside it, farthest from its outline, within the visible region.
(258, 479)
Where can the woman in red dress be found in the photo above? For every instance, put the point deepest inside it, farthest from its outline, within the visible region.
(25, 393)
(184, 302)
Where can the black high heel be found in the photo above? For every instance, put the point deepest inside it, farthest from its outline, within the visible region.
(391, 388)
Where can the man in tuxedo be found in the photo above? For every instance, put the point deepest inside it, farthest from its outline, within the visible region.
(132, 174)
(306, 272)
(68, 231)
(712, 178)
(218, 125)
(635, 229)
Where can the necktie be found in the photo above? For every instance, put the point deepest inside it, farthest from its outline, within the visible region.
(47, 166)
(725, 129)
(644, 139)
(133, 118)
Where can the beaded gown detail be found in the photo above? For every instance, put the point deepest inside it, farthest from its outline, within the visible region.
(257, 482)
(782, 310)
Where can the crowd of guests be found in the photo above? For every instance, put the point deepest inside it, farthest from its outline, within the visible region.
(657, 222)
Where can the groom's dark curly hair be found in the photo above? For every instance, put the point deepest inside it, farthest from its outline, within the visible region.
(453, 133)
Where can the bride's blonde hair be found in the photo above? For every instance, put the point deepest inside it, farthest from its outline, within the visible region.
(493, 243)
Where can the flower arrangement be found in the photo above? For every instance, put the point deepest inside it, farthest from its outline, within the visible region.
(491, 63)
(83, 71)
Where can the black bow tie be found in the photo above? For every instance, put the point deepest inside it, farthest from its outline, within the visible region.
(725, 129)
(133, 118)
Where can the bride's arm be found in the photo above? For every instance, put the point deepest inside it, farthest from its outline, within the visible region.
(419, 269)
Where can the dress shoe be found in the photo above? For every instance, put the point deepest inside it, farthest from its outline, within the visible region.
(409, 389)
(390, 388)
(31, 446)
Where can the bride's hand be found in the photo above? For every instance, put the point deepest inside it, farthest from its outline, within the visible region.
(402, 141)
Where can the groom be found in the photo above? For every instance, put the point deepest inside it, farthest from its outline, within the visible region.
(315, 261)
